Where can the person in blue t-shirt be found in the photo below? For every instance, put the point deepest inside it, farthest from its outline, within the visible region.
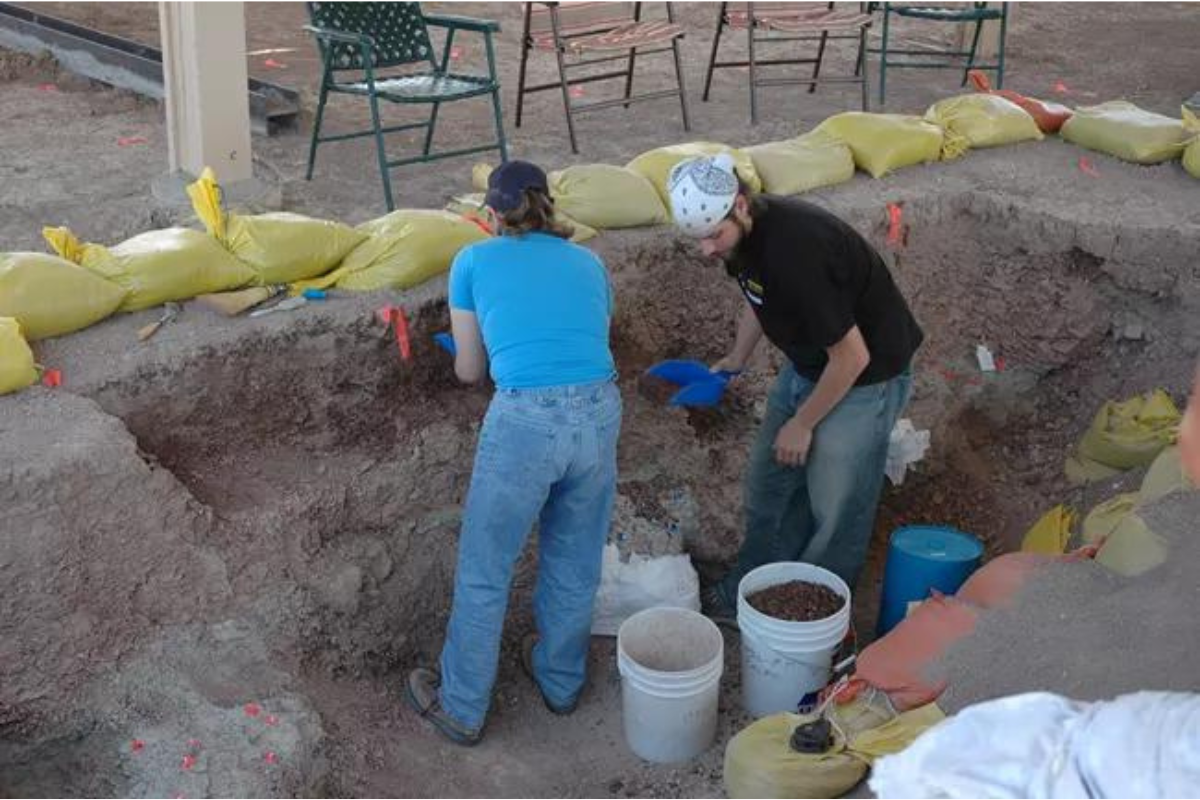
(535, 309)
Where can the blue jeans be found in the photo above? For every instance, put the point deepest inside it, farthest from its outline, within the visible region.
(824, 511)
(547, 455)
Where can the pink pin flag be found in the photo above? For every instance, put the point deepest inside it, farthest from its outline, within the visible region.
(270, 757)
(455, 53)
(129, 141)
(189, 761)
(137, 745)
(252, 709)
(271, 720)
(273, 64)
(576, 91)
(1087, 168)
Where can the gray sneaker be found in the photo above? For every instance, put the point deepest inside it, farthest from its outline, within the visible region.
(421, 691)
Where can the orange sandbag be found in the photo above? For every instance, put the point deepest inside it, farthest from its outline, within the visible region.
(897, 663)
(998, 581)
(1048, 116)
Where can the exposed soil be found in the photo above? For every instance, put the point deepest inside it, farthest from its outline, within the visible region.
(265, 511)
(797, 601)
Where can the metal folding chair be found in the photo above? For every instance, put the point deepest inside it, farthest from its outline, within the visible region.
(933, 58)
(364, 38)
(583, 36)
(771, 24)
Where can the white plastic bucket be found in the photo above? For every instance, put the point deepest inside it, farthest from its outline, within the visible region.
(783, 661)
(670, 660)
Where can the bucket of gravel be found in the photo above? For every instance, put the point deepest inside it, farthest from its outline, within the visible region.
(788, 648)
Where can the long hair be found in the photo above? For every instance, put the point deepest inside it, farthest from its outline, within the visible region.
(534, 215)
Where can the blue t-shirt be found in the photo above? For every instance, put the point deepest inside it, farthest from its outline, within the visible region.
(543, 306)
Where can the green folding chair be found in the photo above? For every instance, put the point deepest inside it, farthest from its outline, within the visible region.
(979, 13)
(362, 43)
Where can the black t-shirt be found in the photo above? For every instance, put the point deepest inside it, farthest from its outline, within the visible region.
(810, 277)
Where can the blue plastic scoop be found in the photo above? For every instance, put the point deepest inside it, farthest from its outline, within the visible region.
(446, 342)
(702, 388)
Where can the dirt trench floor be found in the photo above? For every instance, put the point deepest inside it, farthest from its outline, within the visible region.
(225, 547)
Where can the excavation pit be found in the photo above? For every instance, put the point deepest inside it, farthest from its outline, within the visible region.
(263, 513)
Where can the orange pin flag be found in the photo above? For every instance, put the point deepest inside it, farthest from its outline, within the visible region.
(895, 234)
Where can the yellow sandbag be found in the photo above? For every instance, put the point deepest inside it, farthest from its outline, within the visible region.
(1132, 548)
(1165, 476)
(16, 359)
(799, 165)
(1124, 435)
(280, 247)
(51, 296)
(760, 762)
(981, 120)
(471, 207)
(1051, 533)
(157, 266)
(1102, 520)
(884, 142)
(655, 165)
(1191, 154)
(479, 176)
(606, 196)
(896, 734)
(1121, 129)
(404, 249)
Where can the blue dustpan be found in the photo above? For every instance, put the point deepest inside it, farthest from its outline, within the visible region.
(681, 371)
(702, 388)
(704, 393)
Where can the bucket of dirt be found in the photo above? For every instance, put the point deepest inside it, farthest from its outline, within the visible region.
(793, 616)
(670, 660)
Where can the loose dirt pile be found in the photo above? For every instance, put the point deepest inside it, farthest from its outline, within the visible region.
(797, 601)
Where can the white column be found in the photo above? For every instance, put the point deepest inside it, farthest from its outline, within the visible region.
(204, 75)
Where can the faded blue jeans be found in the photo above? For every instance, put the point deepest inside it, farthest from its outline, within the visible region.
(547, 455)
(824, 511)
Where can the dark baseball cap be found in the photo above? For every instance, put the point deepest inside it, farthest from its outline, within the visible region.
(508, 182)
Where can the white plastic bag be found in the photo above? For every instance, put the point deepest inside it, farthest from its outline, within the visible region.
(627, 588)
(1037, 745)
(907, 445)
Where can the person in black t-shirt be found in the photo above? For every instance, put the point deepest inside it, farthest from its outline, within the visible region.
(820, 293)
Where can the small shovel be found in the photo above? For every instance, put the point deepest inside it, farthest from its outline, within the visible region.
(170, 312)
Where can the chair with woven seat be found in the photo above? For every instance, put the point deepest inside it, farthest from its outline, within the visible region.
(932, 58)
(365, 48)
(770, 24)
(585, 35)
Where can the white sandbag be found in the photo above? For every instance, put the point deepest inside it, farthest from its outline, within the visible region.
(629, 587)
(1036, 745)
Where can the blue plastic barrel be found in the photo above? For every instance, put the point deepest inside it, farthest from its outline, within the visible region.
(920, 558)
